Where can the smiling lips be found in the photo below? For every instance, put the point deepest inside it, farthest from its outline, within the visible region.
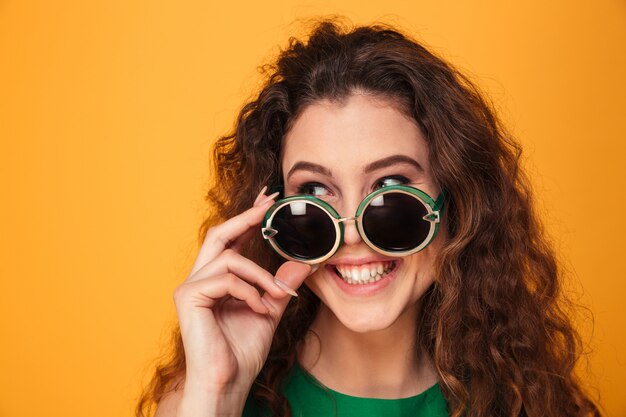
(365, 273)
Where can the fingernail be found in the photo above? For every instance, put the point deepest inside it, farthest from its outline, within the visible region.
(256, 200)
(268, 198)
(314, 268)
(267, 304)
(284, 287)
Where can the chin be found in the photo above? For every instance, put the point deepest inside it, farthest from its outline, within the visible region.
(362, 317)
(365, 323)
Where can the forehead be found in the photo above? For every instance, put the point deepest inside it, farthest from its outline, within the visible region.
(346, 137)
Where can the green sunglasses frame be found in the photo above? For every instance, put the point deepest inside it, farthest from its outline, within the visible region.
(434, 208)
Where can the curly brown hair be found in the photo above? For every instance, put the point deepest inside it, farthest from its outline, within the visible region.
(494, 321)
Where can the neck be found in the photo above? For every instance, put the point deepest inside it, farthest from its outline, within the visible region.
(381, 364)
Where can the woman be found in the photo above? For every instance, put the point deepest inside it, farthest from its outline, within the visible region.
(465, 319)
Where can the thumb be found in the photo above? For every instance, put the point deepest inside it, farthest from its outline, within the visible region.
(291, 274)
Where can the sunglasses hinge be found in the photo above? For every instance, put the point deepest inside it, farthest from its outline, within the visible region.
(268, 232)
(432, 217)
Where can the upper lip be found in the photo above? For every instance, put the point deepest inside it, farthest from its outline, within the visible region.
(359, 261)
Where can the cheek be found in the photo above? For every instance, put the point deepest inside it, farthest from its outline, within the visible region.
(313, 282)
(322, 286)
(421, 268)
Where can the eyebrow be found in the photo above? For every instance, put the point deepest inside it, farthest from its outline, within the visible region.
(393, 160)
(376, 165)
(309, 166)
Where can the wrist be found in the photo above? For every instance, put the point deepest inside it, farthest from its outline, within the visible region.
(198, 401)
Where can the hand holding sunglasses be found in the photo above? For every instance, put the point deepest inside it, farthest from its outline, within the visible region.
(229, 306)
(397, 220)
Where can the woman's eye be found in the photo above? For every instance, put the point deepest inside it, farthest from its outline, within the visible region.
(391, 180)
(312, 188)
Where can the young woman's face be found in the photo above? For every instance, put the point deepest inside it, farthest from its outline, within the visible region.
(328, 153)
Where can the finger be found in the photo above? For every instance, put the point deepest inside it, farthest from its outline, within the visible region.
(246, 236)
(241, 240)
(261, 194)
(207, 292)
(244, 268)
(291, 274)
(221, 236)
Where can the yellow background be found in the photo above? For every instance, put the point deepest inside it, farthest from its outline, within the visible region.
(107, 113)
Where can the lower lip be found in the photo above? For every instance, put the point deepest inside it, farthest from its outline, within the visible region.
(364, 289)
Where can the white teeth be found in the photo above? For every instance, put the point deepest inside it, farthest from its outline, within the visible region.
(353, 274)
(356, 274)
(365, 275)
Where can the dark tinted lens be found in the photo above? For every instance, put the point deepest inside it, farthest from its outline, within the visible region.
(304, 230)
(393, 222)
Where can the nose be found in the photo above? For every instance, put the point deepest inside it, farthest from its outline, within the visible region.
(350, 232)
(348, 210)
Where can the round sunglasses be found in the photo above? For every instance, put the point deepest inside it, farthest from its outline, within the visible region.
(396, 220)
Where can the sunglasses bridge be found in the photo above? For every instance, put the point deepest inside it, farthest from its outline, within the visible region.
(345, 219)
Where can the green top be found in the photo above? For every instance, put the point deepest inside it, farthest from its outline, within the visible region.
(309, 398)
